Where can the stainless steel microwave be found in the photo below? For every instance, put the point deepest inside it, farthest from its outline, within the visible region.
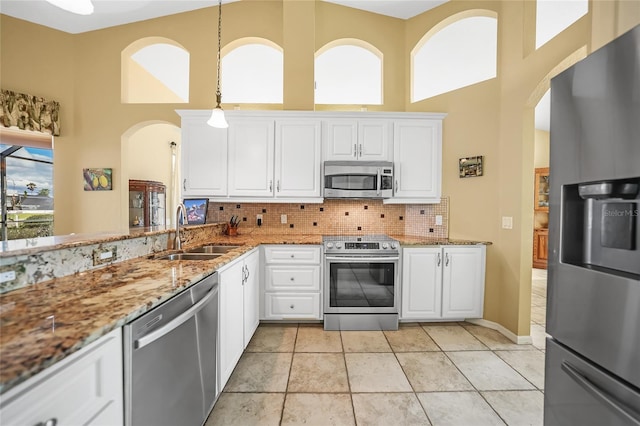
(358, 179)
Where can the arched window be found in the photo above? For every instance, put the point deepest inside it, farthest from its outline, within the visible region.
(155, 70)
(252, 72)
(554, 16)
(455, 55)
(348, 71)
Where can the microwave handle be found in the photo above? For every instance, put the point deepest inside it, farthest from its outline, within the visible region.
(379, 180)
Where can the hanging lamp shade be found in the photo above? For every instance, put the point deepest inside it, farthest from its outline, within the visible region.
(79, 7)
(217, 118)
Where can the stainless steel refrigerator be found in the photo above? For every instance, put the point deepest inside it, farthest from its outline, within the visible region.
(592, 372)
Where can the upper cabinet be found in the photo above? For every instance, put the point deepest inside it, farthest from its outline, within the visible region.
(270, 156)
(357, 139)
(541, 194)
(203, 156)
(251, 154)
(298, 158)
(417, 161)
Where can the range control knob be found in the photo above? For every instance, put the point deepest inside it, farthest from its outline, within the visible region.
(385, 246)
(394, 246)
(329, 245)
(338, 245)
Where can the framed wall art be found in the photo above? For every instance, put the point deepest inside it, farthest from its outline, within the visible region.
(471, 166)
(97, 179)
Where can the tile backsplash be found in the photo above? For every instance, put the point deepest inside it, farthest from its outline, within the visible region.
(336, 217)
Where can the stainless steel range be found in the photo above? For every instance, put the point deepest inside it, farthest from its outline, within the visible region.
(361, 282)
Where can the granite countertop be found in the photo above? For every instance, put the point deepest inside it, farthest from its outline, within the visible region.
(43, 323)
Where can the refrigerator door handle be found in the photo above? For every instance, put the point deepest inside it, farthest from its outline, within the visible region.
(599, 393)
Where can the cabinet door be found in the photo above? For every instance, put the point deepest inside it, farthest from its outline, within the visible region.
(251, 295)
(231, 296)
(340, 139)
(421, 283)
(85, 388)
(373, 140)
(204, 159)
(463, 282)
(298, 161)
(417, 157)
(251, 153)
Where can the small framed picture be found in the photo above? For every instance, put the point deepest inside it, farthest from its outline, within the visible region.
(196, 210)
(471, 166)
(97, 179)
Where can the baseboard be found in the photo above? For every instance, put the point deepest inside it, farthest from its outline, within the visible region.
(520, 340)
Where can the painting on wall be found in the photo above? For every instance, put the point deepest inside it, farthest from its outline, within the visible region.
(97, 179)
(471, 166)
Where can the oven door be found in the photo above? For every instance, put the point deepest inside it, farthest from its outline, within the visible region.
(361, 284)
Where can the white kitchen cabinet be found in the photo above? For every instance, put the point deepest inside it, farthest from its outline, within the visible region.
(422, 283)
(203, 158)
(251, 155)
(463, 282)
(297, 158)
(443, 282)
(417, 161)
(292, 283)
(84, 388)
(357, 139)
(238, 295)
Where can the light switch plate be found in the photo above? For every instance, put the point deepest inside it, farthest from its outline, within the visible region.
(507, 222)
(283, 218)
(438, 219)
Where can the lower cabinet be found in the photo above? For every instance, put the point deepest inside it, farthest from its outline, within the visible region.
(292, 283)
(540, 248)
(443, 282)
(238, 315)
(85, 388)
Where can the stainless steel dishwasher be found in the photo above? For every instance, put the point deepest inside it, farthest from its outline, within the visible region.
(170, 360)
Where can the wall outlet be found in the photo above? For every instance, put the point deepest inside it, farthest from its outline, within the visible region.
(283, 218)
(507, 222)
(7, 276)
(104, 255)
(259, 219)
(438, 219)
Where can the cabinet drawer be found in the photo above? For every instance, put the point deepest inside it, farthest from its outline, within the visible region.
(290, 278)
(292, 254)
(292, 306)
(84, 388)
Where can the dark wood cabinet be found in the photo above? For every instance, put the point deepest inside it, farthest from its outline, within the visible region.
(147, 203)
(540, 248)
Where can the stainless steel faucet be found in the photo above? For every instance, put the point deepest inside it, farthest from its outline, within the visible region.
(181, 208)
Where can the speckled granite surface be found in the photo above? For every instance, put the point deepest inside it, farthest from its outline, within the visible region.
(42, 323)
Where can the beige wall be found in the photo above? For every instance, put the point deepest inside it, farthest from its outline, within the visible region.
(541, 149)
(492, 118)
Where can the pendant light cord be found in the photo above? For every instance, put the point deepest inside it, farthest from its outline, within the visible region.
(218, 94)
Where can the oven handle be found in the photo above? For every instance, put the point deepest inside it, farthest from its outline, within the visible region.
(361, 259)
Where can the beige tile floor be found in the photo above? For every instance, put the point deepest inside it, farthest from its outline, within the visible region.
(423, 374)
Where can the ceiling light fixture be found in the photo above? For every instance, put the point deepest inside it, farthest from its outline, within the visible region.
(80, 7)
(217, 115)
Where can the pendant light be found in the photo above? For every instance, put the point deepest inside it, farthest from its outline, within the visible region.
(80, 7)
(217, 115)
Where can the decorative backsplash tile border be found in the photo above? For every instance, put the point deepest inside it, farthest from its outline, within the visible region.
(336, 217)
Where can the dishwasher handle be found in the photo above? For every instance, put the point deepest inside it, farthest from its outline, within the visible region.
(176, 322)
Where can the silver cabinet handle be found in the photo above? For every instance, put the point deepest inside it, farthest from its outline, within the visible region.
(248, 274)
(293, 255)
(396, 185)
(271, 186)
(599, 393)
(175, 323)
(184, 184)
(278, 185)
(360, 153)
(292, 306)
(51, 422)
(292, 279)
(446, 259)
(355, 150)
(439, 260)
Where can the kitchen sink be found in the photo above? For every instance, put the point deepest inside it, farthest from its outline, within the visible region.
(189, 256)
(212, 249)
